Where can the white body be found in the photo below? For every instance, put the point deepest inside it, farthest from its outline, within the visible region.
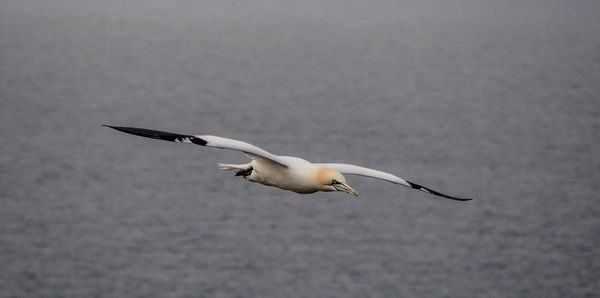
(297, 177)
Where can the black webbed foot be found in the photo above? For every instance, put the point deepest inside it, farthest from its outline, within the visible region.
(244, 172)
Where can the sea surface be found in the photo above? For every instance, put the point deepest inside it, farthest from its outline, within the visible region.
(495, 100)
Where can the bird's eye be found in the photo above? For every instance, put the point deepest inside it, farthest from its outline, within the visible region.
(333, 182)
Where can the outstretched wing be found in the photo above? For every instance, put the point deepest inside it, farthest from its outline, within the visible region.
(203, 140)
(361, 171)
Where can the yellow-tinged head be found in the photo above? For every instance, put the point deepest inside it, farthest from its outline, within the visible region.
(332, 180)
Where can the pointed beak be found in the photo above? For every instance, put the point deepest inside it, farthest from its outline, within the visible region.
(346, 188)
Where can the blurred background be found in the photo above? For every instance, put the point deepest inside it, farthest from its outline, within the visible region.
(496, 100)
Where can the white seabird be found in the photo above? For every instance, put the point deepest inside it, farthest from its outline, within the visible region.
(285, 172)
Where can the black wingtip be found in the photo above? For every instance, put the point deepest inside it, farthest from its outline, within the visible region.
(460, 199)
(159, 135)
(433, 192)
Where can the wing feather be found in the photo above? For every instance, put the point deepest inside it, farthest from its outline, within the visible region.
(204, 140)
(249, 149)
(367, 172)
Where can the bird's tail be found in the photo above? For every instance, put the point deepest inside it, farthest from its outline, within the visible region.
(242, 170)
(232, 167)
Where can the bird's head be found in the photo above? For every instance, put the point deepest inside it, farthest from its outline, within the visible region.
(332, 180)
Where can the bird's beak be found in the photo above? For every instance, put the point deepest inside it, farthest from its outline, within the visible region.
(345, 188)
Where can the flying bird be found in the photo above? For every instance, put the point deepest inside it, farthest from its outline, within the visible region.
(285, 172)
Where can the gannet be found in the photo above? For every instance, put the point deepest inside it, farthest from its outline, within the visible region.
(285, 172)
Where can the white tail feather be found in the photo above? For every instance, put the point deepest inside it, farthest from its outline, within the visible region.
(231, 167)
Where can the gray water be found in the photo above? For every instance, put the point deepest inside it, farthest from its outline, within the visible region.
(497, 100)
